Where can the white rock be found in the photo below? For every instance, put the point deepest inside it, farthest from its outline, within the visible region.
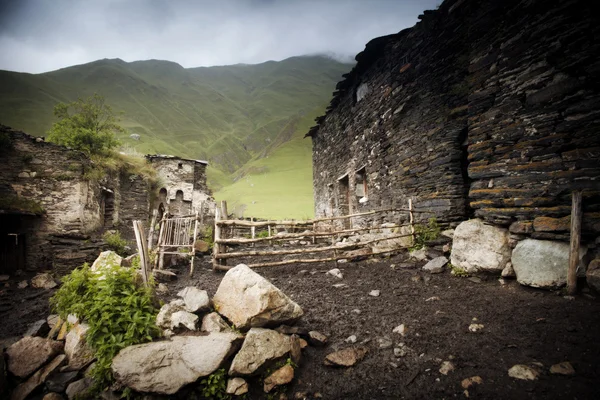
(214, 323)
(237, 386)
(184, 319)
(248, 300)
(336, 272)
(79, 354)
(260, 346)
(475, 327)
(164, 367)
(196, 300)
(163, 319)
(436, 265)
(508, 271)
(401, 329)
(106, 259)
(523, 372)
(419, 255)
(43, 281)
(374, 293)
(480, 247)
(542, 263)
(339, 285)
(351, 339)
(446, 367)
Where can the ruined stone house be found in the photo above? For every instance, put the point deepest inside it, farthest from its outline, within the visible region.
(483, 109)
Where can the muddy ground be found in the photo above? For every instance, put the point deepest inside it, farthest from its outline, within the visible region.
(521, 325)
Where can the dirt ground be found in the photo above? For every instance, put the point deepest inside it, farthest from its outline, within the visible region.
(521, 325)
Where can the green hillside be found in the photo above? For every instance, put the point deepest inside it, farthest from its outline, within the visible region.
(239, 117)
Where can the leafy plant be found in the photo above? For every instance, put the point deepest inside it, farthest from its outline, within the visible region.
(262, 234)
(458, 271)
(119, 311)
(214, 386)
(115, 242)
(425, 233)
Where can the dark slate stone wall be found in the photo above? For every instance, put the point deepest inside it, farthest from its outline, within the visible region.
(484, 108)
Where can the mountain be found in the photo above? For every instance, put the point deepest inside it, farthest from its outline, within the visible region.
(233, 116)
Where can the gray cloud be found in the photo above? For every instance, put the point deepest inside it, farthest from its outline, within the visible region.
(43, 35)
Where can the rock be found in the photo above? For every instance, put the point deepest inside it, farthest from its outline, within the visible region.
(62, 331)
(520, 227)
(58, 382)
(184, 319)
(401, 329)
(480, 247)
(449, 233)
(107, 259)
(335, 272)
(43, 281)
(248, 300)
(358, 254)
(446, 367)
(374, 293)
(52, 320)
(468, 382)
(317, 339)
(78, 388)
(508, 271)
(24, 389)
(30, 353)
(292, 330)
(164, 367)
(295, 349)
(563, 368)
(524, 372)
(436, 265)
(237, 386)
(339, 285)
(79, 354)
(163, 275)
(385, 343)
(548, 224)
(542, 263)
(200, 246)
(161, 288)
(38, 328)
(22, 284)
(433, 298)
(282, 376)
(346, 357)
(400, 351)
(351, 339)
(592, 275)
(214, 323)
(196, 300)
(129, 260)
(474, 279)
(260, 346)
(419, 255)
(163, 319)
(475, 327)
(53, 396)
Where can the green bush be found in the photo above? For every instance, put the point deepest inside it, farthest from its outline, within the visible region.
(115, 242)
(425, 233)
(118, 309)
(214, 386)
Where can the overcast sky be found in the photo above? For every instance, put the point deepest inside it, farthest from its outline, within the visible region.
(44, 35)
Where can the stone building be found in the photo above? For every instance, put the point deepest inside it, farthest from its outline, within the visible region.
(182, 188)
(483, 109)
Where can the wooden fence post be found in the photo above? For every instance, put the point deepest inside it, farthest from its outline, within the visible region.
(411, 220)
(140, 238)
(575, 242)
(193, 252)
(217, 233)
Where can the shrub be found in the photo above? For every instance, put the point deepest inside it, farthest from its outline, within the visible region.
(115, 242)
(425, 233)
(119, 311)
(214, 386)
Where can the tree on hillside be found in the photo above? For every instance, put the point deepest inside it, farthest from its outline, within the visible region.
(88, 125)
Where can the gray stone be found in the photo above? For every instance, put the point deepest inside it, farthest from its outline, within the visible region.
(52, 320)
(165, 367)
(335, 272)
(24, 389)
(214, 323)
(30, 353)
(79, 354)
(58, 382)
(385, 343)
(248, 300)
(43, 281)
(38, 328)
(436, 265)
(542, 263)
(106, 259)
(346, 357)
(317, 339)
(196, 300)
(78, 388)
(163, 275)
(592, 275)
(237, 386)
(419, 255)
(260, 346)
(563, 368)
(281, 376)
(163, 319)
(184, 319)
(374, 293)
(295, 349)
(480, 247)
(508, 271)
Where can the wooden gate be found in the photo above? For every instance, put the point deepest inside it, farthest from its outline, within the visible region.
(177, 236)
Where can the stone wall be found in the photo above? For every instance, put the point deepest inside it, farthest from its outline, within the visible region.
(483, 108)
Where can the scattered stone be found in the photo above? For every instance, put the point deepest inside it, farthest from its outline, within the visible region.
(196, 300)
(260, 346)
(248, 300)
(468, 382)
(78, 388)
(346, 357)
(282, 376)
(303, 343)
(22, 284)
(38, 328)
(508, 271)
(237, 386)
(401, 329)
(163, 319)
(475, 327)
(374, 293)
(339, 285)
(524, 372)
(385, 343)
(446, 367)
(563, 368)
(351, 339)
(474, 279)
(183, 319)
(419, 255)
(43, 281)
(433, 298)
(335, 272)
(356, 311)
(436, 265)
(164, 367)
(502, 281)
(58, 382)
(317, 339)
(106, 259)
(393, 266)
(24, 389)
(79, 354)
(295, 349)
(592, 275)
(162, 289)
(52, 320)
(213, 322)
(30, 353)
(446, 248)
(477, 246)
(400, 351)
(163, 275)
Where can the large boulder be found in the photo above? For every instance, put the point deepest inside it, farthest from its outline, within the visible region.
(30, 353)
(165, 367)
(248, 300)
(480, 247)
(592, 275)
(260, 347)
(106, 259)
(542, 263)
(79, 354)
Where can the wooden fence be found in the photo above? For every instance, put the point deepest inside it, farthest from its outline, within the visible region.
(323, 237)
